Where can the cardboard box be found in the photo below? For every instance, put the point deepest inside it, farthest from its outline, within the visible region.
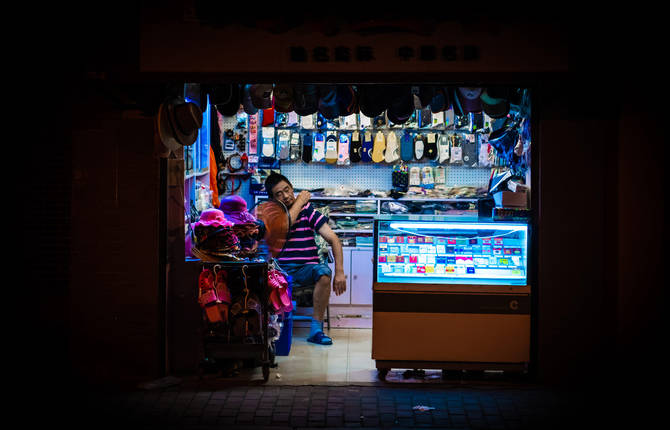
(511, 199)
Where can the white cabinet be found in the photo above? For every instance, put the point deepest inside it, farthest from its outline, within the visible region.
(361, 276)
(345, 298)
(358, 270)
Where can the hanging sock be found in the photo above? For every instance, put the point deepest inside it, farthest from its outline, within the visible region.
(283, 142)
(343, 150)
(331, 149)
(356, 147)
(431, 146)
(319, 148)
(392, 153)
(366, 151)
(406, 147)
(418, 147)
(294, 151)
(307, 147)
(443, 148)
(379, 147)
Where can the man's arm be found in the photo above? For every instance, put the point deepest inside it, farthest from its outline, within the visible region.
(300, 202)
(339, 280)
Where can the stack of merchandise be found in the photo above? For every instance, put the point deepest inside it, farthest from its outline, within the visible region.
(366, 206)
(214, 238)
(246, 227)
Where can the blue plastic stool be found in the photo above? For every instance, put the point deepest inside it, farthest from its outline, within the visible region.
(283, 344)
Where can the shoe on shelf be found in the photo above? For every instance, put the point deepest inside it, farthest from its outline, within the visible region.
(320, 339)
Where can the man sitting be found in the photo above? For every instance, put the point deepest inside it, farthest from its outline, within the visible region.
(300, 257)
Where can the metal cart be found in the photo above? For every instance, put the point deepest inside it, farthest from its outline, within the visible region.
(239, 337)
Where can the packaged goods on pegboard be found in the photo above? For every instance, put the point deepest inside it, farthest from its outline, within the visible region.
(333, 142)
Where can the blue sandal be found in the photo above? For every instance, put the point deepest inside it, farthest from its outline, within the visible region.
(320, 339)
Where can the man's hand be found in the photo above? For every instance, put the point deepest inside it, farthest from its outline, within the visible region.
(303, 198)
(339, 283)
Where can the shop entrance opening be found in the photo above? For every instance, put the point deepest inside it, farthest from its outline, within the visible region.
(427, 188)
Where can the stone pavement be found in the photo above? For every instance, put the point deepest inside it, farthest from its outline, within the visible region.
(209, 404)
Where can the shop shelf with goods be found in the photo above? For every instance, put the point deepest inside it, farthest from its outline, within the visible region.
(197, 191)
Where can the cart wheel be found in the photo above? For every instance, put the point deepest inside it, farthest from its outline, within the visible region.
(266, 372)
(381, 374)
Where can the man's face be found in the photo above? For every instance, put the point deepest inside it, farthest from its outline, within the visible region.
(283, 192)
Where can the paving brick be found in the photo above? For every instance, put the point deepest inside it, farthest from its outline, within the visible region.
(262, 420)
(459, 420)
(280, 418)
(245, 418)
(404, 413)
(334, 421)
(228, 412)
(478, 424)
(370, 421)
(351, 417)
(405, 422)
(282, 409)
(298, 421)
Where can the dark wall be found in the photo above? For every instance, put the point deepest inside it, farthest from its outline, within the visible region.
(600, 212)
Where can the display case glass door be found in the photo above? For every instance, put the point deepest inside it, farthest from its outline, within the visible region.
(435, 252)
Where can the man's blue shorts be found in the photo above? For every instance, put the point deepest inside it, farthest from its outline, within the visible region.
(306, 275)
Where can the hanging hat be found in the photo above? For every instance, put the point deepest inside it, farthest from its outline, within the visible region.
(347, 100)
(226, 98)
(248, 106)
(283, 98)
(305, 99)
(402, 104)
(261, 95)
(234, 208)
(426, 95)
(469, 99)
(178, 123)
(440, 100)
(495, 103)
(197, 94)
(372, 99)
(328, 101)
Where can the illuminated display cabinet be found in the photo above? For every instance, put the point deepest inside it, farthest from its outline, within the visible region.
(450, 294)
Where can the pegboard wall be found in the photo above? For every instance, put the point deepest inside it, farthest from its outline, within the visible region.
(372, 176)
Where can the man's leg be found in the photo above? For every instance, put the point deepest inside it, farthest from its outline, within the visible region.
(321, 297)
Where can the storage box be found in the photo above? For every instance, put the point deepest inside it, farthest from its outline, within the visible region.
(511, 199)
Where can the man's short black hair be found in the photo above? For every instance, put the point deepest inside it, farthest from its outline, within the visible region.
(273, 180)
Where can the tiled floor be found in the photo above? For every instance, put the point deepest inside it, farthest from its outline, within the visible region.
(347, 360)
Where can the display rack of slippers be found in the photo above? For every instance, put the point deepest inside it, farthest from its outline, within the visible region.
(400, 145)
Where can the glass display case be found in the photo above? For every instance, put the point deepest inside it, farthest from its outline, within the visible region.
(450, 293)
(450, 252)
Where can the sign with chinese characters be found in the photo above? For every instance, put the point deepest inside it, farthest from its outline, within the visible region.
(362, 53)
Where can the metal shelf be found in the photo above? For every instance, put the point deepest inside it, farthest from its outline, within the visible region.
(352, 231)
(196, 174)
(350, 214)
